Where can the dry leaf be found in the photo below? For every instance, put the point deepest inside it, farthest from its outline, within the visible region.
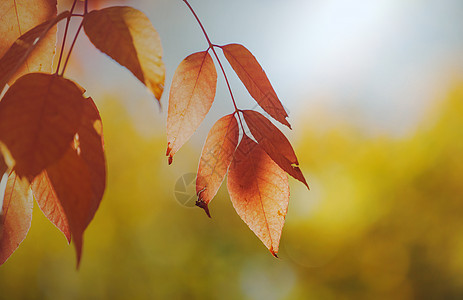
(15, 217)
(18, 17)
(215, 159)
(191, 96)
(274, 143)
(49, 203)
(255, 80)
(259, 191)
(127, 35)
(27, 44)
(3, 166)
(39, 116)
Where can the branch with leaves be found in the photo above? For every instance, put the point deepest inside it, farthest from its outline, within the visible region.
(51, 136)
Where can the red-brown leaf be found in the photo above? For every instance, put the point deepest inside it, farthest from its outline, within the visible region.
(91, 154)
(255, 80)
(127, 35)
(215, 159)
(39, 116)
(259, 191)
(15, 217)
(274, 143)
(70, 179)
(91, 147)
(30, 43)
(18, 17)
(191, 95)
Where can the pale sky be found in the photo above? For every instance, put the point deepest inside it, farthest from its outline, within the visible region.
(382, 60)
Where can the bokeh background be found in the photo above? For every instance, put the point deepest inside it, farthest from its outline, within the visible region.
(374, 90)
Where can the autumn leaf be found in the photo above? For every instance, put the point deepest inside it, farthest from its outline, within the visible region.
(39, 116)
(255, 80)
(15, 217)
(89, 167)
(91, 150)
(3, 166)
(70, 178)
(259, 191)
(274, 143)
(17, 18)
(191, 96)
(127, 35)
(215, 159)
(49, 203)
(23, 47)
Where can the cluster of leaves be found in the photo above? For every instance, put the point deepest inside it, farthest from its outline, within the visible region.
(51, 138)
(50, 133)
(257, 166)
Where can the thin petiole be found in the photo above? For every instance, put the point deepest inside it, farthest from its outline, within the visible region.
(65, 35)
(72, 47)
(211, 46)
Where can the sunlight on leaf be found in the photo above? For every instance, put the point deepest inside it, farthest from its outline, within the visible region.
(274, 143)
(127, 35)
(30, 43)
(49, 203)
(20, 16)
(215, 159)
(191, 96)
(255, 80)
(16, 216)
(259, 191)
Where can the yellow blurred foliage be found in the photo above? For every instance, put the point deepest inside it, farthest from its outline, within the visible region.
(383, 220)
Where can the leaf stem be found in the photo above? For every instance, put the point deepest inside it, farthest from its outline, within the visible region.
(72, 47)
(65, 35)
(211, 46)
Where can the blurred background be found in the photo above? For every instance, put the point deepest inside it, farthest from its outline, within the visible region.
(374, 91)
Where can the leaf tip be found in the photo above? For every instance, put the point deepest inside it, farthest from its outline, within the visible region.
(200, 203)
(275, 254)
(301, 177)
(169, 153)
(159, 104)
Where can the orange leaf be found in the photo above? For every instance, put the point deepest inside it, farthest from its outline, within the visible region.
(15, 217)
(127, 35)
(259, 191)
(274, 143)
(90, 153)
(49, 203)
(39, 116)
(215, 159)
(18, 17)
(3, 166)
(191, 95)
(255, 80)
(25, 46)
